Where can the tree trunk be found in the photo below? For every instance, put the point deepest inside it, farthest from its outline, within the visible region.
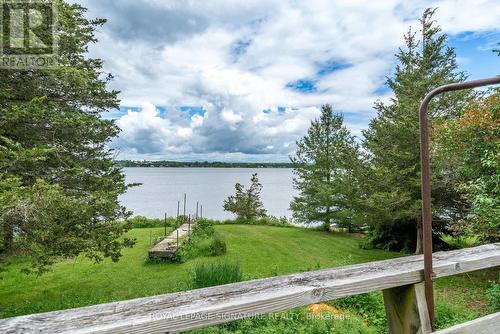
(419, 249)
(8, 237)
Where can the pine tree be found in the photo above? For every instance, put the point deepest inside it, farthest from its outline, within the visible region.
(393, 206)
(246, 203)
(59, 185)
(325, 166)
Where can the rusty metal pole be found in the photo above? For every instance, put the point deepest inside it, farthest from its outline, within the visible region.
(426, 180)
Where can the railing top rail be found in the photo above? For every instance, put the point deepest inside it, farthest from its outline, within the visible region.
(485, 325)
(204, 307)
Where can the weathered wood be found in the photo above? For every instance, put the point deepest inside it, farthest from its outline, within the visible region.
(200, 308)
(489, 324)
(406, 310)
(168, 246)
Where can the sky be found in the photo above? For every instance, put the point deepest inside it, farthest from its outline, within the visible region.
(223, 80)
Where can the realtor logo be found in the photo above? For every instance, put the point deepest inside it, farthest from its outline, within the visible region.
(28, 34)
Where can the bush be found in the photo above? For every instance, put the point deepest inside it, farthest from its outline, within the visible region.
(212, 274)
(459, 242)
(204, 241)
(396, 237)
(400, 237)
(267, 221)
(218, 246)
(203, 228)
(143, 222)
(213, 246)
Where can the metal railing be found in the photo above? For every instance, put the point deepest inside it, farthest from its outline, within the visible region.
(426, 179)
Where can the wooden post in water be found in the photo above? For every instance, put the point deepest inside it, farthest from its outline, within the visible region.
(196, 218)
(178, 207)
(184, 215)
(165, 224)
(201, 211)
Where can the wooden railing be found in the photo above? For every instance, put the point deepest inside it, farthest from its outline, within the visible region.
(400, 279)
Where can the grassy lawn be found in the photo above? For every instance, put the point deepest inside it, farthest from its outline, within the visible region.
(262, 251)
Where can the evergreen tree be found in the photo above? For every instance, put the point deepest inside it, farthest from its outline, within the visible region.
(393, 206)
(246, 203)
(325, 166)
(59, 185)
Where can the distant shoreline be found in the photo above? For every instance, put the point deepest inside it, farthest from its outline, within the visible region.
(201, 164)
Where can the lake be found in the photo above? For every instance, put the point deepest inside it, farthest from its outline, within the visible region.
(162, 187)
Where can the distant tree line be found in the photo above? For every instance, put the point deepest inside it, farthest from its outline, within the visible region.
(202, 164)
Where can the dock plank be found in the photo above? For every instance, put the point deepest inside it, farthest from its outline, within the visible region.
(168, 246)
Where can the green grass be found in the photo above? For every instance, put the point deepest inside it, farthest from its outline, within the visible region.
(205, 275)
(261, 251)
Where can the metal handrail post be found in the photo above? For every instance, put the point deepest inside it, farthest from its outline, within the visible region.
(426, 180)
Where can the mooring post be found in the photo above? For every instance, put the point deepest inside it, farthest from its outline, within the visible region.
(178, 211)
(201, 211)
(184, 215)
(196, 211)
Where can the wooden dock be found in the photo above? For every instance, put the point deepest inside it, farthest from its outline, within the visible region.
(168, 246)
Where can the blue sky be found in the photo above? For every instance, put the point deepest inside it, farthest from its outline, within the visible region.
(241, 81)
(474, 53)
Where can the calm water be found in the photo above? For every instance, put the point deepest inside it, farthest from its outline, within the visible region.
(163, 187)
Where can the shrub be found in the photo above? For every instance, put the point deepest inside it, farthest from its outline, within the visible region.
(212, 246)
(267, 221)
(204, 241)
(218, 246)
(458, 242)
(212, 274)
(144, 222)
(203, 227)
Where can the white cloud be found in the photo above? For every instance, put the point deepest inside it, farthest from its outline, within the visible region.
(236, 58)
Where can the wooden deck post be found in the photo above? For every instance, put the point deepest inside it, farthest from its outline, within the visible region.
(406, 310)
